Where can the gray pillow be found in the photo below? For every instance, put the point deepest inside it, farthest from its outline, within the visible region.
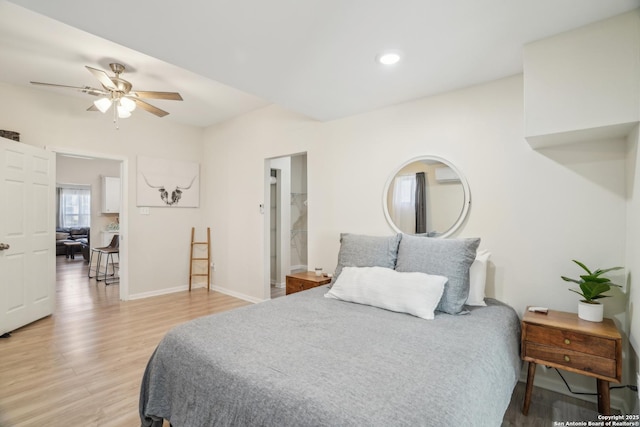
(451, 258)
(367, 251)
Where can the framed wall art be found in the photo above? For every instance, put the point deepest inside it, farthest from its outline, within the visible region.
(167, 183)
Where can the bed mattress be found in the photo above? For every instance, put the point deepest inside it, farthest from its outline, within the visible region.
(306, 360)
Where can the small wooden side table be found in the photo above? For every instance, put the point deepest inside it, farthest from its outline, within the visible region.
(564, 341)
(297, 282)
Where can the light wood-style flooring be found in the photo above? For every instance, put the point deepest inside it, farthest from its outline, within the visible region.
(83, 365)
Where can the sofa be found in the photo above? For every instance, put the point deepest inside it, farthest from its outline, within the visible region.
(79, 234)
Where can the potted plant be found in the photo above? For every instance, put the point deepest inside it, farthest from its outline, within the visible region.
(592, 287)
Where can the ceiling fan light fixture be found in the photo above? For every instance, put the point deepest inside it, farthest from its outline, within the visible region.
(102, 104)
(123, 113)
(128, 104)
(117, 92)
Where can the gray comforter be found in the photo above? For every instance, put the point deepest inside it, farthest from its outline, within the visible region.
(306, 360)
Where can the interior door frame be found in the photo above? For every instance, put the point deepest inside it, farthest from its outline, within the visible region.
(124, 209)
(266, 211)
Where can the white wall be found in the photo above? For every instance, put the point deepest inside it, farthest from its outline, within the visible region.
(534, 210)
(583, 79)
(235, 157)
(530, 208)
(158, 244)
(632, 262)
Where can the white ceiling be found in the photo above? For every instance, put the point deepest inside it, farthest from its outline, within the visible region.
(315, 57)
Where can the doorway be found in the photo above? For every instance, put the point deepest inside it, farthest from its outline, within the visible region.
(105, 175)
(285, 220)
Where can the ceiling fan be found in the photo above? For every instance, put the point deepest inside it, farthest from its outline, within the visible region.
(117, 92)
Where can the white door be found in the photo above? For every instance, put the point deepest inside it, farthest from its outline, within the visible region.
(27, 228)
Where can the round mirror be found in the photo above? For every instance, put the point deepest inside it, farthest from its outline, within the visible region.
(426, 195)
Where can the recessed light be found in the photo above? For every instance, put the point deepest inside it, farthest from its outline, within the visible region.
(388, 58)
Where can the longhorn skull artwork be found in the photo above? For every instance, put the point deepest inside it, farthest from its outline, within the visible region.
(177, 183)
(164, 194)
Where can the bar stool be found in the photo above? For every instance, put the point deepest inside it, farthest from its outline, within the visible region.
(109, 253)
(115, 244)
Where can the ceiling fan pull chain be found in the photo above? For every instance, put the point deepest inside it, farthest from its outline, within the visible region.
(115, 117)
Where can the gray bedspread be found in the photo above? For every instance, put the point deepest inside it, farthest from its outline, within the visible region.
(306, 360)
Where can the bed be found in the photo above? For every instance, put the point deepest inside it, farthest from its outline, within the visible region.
(309, 360)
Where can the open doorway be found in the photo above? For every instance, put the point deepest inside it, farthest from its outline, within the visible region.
(286, 219)
(91, 210)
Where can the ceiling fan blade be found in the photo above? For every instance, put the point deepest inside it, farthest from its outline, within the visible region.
(93, 108)
(150, 108)
(56, 85)
(96, 92)
(102, 77)
(84, 89)
(173, 96)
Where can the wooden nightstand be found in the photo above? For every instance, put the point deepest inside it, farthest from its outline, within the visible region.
(297, 282)
(564, 341)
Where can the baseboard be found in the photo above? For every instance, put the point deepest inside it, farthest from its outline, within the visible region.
(237, 294)
(277, 284)
(186, 288)
(160, 292)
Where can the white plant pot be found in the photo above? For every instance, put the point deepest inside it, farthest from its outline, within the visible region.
(590, 312)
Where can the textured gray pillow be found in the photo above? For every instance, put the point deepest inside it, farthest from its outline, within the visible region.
(451, 258)
(367, 251)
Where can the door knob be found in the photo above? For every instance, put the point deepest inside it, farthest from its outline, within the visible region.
(4, 246)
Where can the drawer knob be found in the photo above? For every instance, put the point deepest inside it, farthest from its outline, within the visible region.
(567, 341)
(567, 359)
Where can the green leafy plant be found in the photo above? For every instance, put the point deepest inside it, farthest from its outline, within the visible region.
(592, 284)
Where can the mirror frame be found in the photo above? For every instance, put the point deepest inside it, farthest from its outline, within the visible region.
(465, 189)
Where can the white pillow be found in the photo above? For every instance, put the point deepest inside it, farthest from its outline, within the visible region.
(478, 279)
(417, 294)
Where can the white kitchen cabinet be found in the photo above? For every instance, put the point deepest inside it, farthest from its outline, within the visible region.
(110, 194)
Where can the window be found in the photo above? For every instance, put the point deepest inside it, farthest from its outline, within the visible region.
(74, 206)
(403, 203)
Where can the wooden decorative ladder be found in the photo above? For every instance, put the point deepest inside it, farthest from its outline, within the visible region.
(200, 259)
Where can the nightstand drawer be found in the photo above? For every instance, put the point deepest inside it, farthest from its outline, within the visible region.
(571, 340)
(572, 359)
(297, 285)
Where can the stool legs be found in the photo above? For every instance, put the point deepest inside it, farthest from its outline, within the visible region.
(96, 270)
(108, 261)
(113, 278)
